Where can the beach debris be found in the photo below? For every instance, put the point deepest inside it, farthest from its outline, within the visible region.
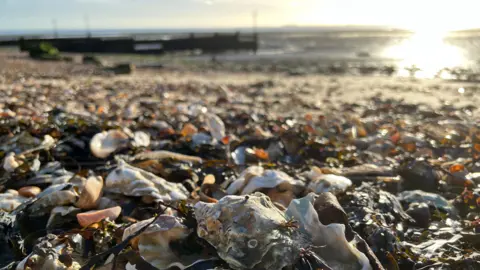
(132, 181)
(247, 232)
(90, 217)
(329, 241)
(215, 126)
(105, 143)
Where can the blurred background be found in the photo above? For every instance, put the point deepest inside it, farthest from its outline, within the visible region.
(405, 38)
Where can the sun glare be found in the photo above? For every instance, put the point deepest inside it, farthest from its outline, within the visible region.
(426, 50)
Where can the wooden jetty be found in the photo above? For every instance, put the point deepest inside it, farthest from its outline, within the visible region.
(215, 43)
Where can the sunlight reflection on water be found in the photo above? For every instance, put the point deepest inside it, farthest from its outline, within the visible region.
(427, 51)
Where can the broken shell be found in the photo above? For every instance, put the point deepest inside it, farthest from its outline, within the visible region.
(329, 183)
(11, 191)
(328, 240)
(247, 232)
(30, 191)
(55, 195)
(57, 214)
(132, 181)
(10, 163)
(255, 178)
(154, 243)
(141, 139)
(105, 143)
(87, 218)
(8, 201)
(91, 193)
(47, 255)
(216, 126)
(432, 199)
(161, 155)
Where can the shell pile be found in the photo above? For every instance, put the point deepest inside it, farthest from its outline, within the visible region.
(138, 173)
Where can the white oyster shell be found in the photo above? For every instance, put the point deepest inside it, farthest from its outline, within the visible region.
(329, 241)
(107, 142)
(133, 181)
(216, 126)
(153, 243)
(255, 177)
(247, 233)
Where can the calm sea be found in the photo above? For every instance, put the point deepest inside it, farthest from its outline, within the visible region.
(429, 52)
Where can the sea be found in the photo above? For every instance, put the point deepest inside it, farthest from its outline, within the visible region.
(427, 53)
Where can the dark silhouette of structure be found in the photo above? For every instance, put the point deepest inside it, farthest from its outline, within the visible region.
(215, 43)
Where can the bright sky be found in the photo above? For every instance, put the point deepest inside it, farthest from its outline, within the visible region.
(434, 15)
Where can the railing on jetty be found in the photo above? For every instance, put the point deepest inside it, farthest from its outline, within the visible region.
(207, 44)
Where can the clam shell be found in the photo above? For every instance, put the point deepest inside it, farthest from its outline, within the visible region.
(105, 143)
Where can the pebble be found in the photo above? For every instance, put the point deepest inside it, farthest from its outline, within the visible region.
(29, 191)
(87, 218)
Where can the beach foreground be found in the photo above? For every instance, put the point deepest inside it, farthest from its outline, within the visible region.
(168, 168)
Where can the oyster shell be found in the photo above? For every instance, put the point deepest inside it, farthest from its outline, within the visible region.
(329, 241)
(107, 142)
(247, 232)
(132, 181)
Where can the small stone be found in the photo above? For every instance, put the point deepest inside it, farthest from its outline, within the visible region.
(87, 218)
(188, 130)
(420, 212)
(29, 191)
